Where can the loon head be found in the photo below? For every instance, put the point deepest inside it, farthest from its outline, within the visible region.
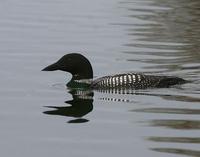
(74, 63)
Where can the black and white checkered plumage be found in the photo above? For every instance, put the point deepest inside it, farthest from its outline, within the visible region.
(134, 81)
(81, 70)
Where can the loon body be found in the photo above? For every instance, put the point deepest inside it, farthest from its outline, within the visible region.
(82, 76)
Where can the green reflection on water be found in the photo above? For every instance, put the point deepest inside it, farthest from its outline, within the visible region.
(176, 124)
(188, 152)
(175, 139)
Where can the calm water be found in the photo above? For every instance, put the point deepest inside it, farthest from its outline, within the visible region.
(152, 36)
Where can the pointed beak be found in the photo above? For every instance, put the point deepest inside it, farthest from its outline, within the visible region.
(51, 67)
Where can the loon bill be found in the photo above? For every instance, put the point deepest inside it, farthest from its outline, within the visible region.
(82, 76)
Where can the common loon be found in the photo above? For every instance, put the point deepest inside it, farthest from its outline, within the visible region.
(82, 76)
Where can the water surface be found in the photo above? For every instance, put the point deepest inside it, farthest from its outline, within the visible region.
(152, 36)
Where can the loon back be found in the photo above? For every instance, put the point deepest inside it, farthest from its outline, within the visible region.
(135, 81)
(82, 75)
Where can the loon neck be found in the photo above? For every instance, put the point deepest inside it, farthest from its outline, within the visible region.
(83, 73)
(81, 80)
(80, 84)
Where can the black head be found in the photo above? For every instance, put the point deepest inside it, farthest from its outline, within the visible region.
(74, 63)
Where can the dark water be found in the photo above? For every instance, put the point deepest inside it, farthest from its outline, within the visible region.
(40, 117)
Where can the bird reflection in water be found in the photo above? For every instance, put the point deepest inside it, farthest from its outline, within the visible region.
(80, 105)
